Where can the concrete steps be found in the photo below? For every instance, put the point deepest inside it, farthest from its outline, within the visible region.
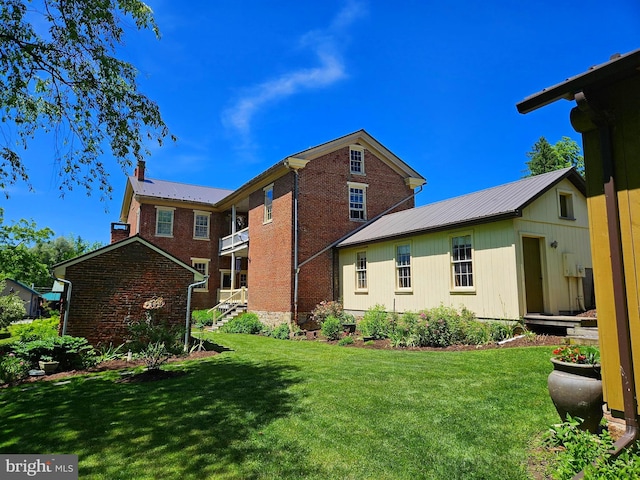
(239, 310)
(582, 335)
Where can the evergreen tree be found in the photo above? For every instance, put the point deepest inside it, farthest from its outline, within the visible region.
(545, 157)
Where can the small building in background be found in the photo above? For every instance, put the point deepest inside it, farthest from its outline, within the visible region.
(29, 296)
(504, 253)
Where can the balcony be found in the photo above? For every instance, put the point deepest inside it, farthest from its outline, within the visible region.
(235, 242)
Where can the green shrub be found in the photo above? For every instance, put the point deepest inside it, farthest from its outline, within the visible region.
(407, 330)
(43, 328)
(499, 331)
(72, 352)
(245, 323)
(154, 355)
(147, 331)
(332, 328)
(281, 332)
(108, 353)
(11, 308)
(578, 450)
(13, 368)
(375, 323)
(473, 332)
(327, 309)
(345, 341)
(204, 317)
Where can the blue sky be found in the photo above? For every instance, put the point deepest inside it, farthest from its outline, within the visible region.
(244, 84)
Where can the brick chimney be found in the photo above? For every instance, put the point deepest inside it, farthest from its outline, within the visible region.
(119, 231)
(139, 171)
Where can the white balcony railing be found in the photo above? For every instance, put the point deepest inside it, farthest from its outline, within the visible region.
(235, 241)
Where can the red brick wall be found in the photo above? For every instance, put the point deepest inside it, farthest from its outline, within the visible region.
(183, 246)
(109, 289)
(323, 207)
(271, 250)
(324, 214)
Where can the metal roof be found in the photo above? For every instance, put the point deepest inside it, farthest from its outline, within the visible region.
(504, 201)
(616, 68)
(177, 191)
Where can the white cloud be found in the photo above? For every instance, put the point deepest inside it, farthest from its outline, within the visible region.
(326, 46)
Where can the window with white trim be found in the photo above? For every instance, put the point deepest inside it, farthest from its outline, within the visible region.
(361, 270)
(201, 225)
(462, 261)
(565, 205)
(356, 159)
(403, 267)
(202, 266)
(268, 203)
(164, 221)
(357, 201)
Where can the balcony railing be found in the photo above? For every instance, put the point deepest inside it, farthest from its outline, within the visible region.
(235, 241)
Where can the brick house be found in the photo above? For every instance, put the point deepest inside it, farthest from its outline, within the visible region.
(110, 285)
(269, 242)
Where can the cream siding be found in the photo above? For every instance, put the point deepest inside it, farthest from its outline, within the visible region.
(495, 273)
(541, 219)
(498, 273)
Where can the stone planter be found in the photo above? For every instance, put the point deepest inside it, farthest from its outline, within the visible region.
(48, 366)
(576, 390)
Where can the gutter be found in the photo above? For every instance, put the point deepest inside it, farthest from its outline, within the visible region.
(187, 324)
(336, 242)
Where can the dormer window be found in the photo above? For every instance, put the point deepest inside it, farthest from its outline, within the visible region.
(356, 159)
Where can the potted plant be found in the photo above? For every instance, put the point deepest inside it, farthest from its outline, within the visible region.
(48, 364)
(348, 323)
(575, 384)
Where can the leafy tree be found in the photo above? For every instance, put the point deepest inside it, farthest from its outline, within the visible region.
(59, 74)
(17, 259)
(11, 308)
(58, 250)
(545, 157)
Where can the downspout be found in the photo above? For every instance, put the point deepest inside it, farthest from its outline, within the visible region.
(187, 324)
(333, 244)
(619, 287)
(296, 267)
(67, 302)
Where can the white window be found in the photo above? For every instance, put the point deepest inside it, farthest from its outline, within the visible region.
(356, 159)
(164, 221)
(357, 201)
(565, 205)
(268, 203)
(201, 225)
(403, 267)
(361, 270)
(462, 262)
(202, 266)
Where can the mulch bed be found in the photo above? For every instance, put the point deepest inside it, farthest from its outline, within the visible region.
(538, 340)
(145, 376)
(160, 374)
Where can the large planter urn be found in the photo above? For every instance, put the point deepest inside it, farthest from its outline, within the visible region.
(576, 390)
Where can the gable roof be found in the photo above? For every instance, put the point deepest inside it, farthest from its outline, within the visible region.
(504, 201)
(20, 285)
(281, 168)
(223, 199)
(177, 191)
(59, 270)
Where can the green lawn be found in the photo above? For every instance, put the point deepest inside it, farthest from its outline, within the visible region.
(284, 409)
